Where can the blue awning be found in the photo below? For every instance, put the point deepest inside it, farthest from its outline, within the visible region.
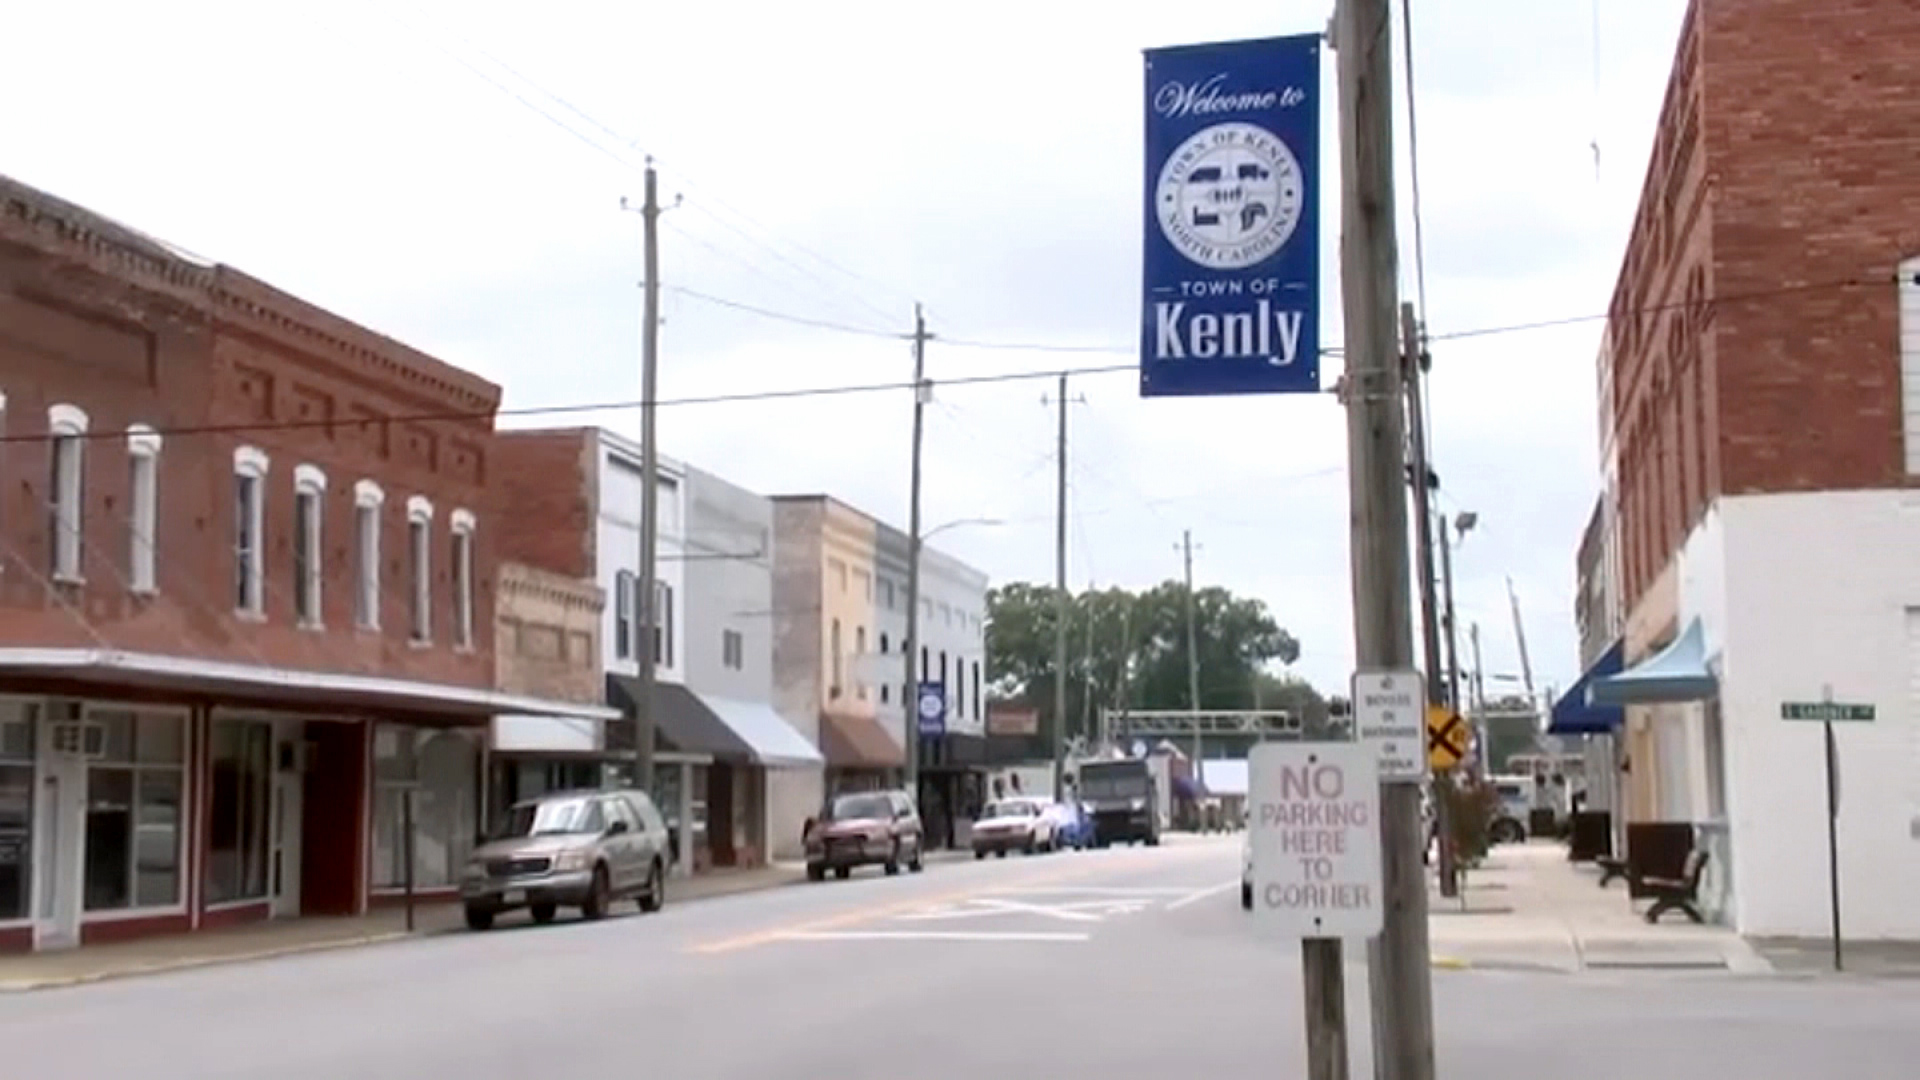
(1677, 673)
(1573, 714)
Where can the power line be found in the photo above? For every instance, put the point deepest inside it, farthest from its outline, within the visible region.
(1655, 309)
(769, 313)
(751, 268)
(453, 416)
(1413, 162)
(628, 146)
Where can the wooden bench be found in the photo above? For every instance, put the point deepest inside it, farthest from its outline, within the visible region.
(1680, 894)
(1610, 868)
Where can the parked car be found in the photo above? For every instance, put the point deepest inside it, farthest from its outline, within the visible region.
(1515, 800)
(1015, 823)
(571, 849)
(863, 829)
(1071, 826)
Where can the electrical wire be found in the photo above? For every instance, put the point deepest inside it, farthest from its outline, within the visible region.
(1413, 163)
(1028, 375)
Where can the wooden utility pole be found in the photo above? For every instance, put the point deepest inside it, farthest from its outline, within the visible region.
(643, 604)
(1060, 608)
(1398, 958)
(1193, 654)
(1420, 475)
(910, 694)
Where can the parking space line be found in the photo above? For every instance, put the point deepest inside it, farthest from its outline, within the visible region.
(1201, 894)
(935, 935)
(1078, 870)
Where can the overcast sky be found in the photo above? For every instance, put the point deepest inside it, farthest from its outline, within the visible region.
(839, 161)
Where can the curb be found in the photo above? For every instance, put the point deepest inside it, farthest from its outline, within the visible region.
(188, 963)
(1451, 963)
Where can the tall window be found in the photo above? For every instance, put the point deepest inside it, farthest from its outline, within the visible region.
(624, 594)
(462, 565)
(860, 653)
(733, 649)
(420, 567)
(976, 689)
(143, 505)
(309, 495)
(367, 502)
(237, 811)
(662, 624)
(833, 685)
(249, 530)
(66, 488)
(135, 791)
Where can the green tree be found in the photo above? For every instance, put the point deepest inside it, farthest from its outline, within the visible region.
(1130, 648)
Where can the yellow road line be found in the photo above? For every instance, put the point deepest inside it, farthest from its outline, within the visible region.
(1078, 869)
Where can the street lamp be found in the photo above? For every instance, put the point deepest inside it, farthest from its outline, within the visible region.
(910, 699)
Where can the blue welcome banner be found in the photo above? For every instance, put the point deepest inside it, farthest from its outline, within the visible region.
(1232, 283)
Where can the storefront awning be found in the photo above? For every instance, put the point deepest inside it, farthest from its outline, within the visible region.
(859, 742)
(680, 719)
(774, 742)
(1677, 673)
(1573, 714)
(293, 688)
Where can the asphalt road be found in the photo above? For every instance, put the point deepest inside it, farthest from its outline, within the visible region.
(1118, 965)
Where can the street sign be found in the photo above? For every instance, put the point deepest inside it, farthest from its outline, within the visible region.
(933, 710)
(1316, 838)
(1387, 711)
(1447, 738)
(1230, 291)
(1824, 710)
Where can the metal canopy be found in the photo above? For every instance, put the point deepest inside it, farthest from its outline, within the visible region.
(1676, 674)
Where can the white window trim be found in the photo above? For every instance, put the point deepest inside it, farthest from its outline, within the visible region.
(420, 558)
(311, 480)
(253, 461)
(463, 522)
(67, 518)
(366, 602)
(143, 510)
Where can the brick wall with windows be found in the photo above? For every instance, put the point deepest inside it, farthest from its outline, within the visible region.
(1738, 360)
(168, 381)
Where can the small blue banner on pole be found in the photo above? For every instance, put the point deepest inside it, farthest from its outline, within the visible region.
(931, 707)
(1232, 283)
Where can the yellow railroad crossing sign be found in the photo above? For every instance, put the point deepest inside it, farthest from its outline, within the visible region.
(1446, 737)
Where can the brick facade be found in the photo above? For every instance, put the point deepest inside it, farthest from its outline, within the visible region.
(1739, 359)
(548, 486)
(548, 640)
(98, 318)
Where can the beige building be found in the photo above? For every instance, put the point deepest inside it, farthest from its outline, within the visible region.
(547, 641)
(824, 633)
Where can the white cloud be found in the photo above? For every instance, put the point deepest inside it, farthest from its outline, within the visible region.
(982, 157)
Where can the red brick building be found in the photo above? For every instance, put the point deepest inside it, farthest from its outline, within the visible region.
(1760, 432)
(246, 593)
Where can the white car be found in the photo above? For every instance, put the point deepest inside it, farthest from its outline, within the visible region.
(1246, 870)
(1015, 823)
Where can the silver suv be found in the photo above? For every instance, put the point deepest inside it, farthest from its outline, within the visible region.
(581, 849)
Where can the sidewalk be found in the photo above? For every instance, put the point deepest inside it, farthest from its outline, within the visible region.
(261, 941)
(1528, 908)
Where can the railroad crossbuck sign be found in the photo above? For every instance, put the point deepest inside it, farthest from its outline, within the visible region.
(1316, 839)
(1446, 738)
